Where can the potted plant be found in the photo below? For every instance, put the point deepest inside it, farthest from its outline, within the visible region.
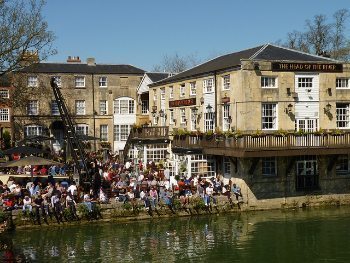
(281, 133)
(337, 132)
(258, 133)
(320, 132)
(238, 134)
(209, 134)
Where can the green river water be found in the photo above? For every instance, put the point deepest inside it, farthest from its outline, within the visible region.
(312, 235)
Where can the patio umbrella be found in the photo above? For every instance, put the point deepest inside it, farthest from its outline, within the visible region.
(30, 160)
(24, 150)
(38, 138)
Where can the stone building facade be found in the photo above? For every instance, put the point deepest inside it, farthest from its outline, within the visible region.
(274, 118)
(101, 100)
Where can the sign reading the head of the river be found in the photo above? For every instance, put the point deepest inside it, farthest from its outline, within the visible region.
(307, 67)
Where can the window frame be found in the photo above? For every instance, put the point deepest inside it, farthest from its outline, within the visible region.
(103, 82)
(193, 88)
(103, 107)
(265, 82)
(4, 115)
(182, 90)
(183, 116)
(32, 81)
(33, 107)
(81, 129)
(269, 163)
(274, 116)
(37, 128)
(124, 106)
(104, 133)
(80, 109)
(82, 82)
(226, 85)
(342, 115)
(206, 83)
(4, 93)
(54, 106)
(339, 80)
(171, 92)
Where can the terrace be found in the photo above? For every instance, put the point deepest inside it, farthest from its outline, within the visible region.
(265, 145)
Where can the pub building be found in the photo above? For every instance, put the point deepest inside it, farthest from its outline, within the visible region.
(273, 119)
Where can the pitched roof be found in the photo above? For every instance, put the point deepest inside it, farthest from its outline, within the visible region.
(157, 76)
(263, 52)
(82, 68)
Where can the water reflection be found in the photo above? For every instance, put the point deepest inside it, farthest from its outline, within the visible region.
(267, 236)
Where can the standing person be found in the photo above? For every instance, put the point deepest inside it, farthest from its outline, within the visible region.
(237, 192)
(73, 190)
(71, 204)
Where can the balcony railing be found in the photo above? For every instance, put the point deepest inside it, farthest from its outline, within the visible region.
(250, 145)
(146, 134)
(149, 133)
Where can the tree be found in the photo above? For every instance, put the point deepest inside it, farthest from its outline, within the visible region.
(321, 36)
(24, 34)
(176, 63)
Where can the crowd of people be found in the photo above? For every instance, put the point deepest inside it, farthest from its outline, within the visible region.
(111, 181)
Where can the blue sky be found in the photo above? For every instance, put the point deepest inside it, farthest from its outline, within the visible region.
(141, 32)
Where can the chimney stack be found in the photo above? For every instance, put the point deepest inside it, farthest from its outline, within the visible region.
(91, 61)
(73, 59)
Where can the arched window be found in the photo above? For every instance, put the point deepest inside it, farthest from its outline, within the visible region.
(33, 130)
(124, 106)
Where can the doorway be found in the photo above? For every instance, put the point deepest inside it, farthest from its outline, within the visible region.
(307, 177)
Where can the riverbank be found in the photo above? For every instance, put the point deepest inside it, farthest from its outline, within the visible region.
(119, 212)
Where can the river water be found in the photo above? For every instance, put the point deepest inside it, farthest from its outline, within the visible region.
(312, 235)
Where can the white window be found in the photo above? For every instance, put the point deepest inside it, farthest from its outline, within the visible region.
(58, 81)
(171, 92)
(54, 108)
(124, 106)
(194, 112)
(102, 82)
(171, 116)
(182, 90)
(33, 81)
(121, 132)
(144, 106)
(226, 82)
(156, 152)
(155, 97)
(162, 93)
(342, 83)
(4, 115)
(33, 130)
(80, 107)
(82, 129)
(208, 121)
(183, 115)
(80, 82)
(103, 107)
(203, 165)
(155, 120)
(269, 116)
(208, 85)
(33, 107)
(342, 115)
(193, 90)
(104, 132)
(226, 117)
(269, 166)
(305, 82)
(4, 94)
(268, 82)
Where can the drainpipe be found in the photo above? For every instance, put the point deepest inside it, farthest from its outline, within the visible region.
(93, 110)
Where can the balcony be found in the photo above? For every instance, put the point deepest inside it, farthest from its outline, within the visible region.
(143, 135)
(265, 145)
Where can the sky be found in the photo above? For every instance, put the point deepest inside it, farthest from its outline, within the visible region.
(142, 32)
